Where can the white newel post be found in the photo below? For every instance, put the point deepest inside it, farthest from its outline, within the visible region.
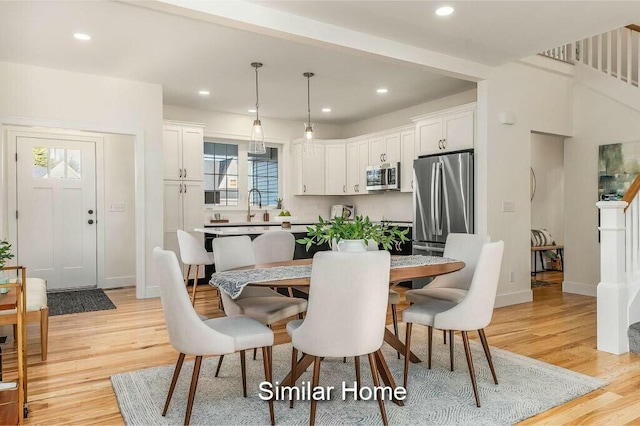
(612, 289)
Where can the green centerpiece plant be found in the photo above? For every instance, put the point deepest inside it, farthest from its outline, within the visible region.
(5, 255)
(361, 228)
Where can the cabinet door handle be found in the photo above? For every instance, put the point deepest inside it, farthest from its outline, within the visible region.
(444, 143)
(180, 191)
(180, 172)
(440, 144)
(354, 188)
(384, 157)
(185, 175)
(411, 183)
(185, 188)
(344, 188)
(304, 188)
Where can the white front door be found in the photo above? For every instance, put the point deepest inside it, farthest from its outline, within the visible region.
(56, 203)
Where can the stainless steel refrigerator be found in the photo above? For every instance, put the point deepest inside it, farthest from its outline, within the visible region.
(442, 200)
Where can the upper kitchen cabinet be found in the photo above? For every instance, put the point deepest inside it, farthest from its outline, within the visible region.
(308, 172)
(407, 143)
(335, 169)
(183, 152)
(445, 131)
(357, 162)
(384, 148)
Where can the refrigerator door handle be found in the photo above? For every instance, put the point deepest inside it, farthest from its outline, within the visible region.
(438, 200)
(432, 204)
(440, 197)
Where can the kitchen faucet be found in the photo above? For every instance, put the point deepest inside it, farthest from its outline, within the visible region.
(249, 215)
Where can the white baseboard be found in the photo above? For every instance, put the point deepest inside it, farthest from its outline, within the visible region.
(513, 298)
(151, 292)
(579, 288)
(117, 282)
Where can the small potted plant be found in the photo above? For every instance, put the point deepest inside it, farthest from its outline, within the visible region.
(352, 235)
(5, 255)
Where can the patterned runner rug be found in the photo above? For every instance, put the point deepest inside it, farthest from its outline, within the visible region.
(435, 397)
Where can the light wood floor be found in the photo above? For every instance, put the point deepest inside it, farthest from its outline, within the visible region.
(73, 386)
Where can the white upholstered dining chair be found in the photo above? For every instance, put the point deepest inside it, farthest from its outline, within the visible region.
(474, 312)
(260, 303)
(191, 336)
(193, 253)
(274, 246)
(347, 312)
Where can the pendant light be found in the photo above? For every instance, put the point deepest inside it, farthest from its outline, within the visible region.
(256, 143)
(308, 143)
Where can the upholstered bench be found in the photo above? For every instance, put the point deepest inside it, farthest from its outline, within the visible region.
(37, 310)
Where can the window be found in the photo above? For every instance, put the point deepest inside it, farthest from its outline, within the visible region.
(263, 175)
(56, 163)
(220, 174)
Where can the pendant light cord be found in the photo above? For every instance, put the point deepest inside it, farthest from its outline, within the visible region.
(257, 118)
(309, 99)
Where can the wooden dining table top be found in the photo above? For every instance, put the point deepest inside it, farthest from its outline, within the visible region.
(396, 275)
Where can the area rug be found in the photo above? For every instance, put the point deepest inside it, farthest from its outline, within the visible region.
(435, 397)
(540, 283)
(73, 302)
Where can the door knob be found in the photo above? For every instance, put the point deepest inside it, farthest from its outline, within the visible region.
(90, 221)
(90, 211)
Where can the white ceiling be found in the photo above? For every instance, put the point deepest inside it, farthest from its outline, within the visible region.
(186, 55)
(489, 32)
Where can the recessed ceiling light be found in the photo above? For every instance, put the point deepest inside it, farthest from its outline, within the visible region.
(444, 11)
(82, 36)
(382, 90)
(251, 110)
(326, 109)
(203, 92)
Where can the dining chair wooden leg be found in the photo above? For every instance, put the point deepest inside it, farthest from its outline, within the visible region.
(294, 363)
(300, 315)
(195, 285)
(316, 379)
(290, 291)
(451, 348)
(192, 389)
(356, 360)
(186, 279)
(219, 365)
(243, 367)
(267, 376)
(429, 349)
(176, 374)
(444, 336)
(254, 354)
(407, 351)
(344, 360)
(394, 316)
(376, 383)
(472, 373)
(487, 353)
(220, 307)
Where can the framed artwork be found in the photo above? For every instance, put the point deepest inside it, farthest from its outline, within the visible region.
(618, 166)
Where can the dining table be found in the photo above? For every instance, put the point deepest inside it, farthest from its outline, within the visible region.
(297, 274)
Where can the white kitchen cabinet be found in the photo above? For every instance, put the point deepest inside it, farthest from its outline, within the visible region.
(384, 148)
(407, 142)
(308, 172)
(357, 162)
(183, 152)
(446, 131)
(335, 169)
(183, 210)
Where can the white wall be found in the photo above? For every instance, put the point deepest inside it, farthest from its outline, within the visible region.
(402, 117)
(598, 120)
(540, 101)
(119, 227)
(63, 99)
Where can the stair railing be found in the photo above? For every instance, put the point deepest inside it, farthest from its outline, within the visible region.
(616, 53)
(618, 291)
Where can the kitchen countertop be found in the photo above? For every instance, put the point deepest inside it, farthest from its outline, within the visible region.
(294, 223)
(249, 230)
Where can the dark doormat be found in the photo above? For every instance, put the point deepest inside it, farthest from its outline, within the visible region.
(540, 283)
(73, 302)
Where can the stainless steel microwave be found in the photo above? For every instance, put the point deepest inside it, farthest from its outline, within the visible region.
(383, 177)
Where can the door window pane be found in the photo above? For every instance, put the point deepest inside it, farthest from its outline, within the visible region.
(57, 163)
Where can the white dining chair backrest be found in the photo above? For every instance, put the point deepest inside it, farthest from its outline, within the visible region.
(233, 252)
(188, 334)
(474, 312)
(465, 247)
(347, 307)
(192, 252)
(274, 246)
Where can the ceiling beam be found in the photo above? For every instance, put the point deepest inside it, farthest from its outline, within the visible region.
(274, 23)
